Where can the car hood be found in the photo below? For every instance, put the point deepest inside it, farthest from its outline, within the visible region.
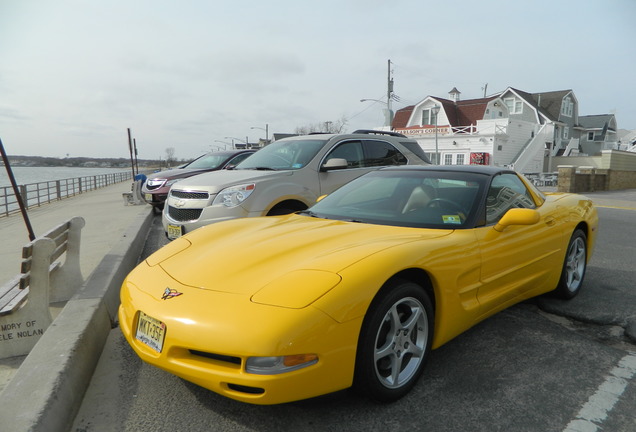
(215, 181)
(176, 173)
(243, 255)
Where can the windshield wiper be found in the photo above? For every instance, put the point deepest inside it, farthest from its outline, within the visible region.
(259, 168)
(310, 214)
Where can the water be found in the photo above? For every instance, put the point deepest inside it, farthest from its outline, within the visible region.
(28, 175)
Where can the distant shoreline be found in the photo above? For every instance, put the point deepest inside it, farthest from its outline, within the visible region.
(83, 162)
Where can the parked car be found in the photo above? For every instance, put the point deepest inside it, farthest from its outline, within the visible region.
(285, 176)
(156, 187)
(358, 289)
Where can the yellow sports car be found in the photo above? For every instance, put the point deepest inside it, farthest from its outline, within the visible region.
(356, 290)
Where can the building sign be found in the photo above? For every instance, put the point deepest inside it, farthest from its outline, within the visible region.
(421, 131)
(480, 158)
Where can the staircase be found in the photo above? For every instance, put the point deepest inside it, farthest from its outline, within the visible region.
(530, 157)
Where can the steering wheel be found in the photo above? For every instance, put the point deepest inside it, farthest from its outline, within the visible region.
(445, 204)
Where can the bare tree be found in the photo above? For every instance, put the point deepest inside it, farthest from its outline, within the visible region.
(337, 126)
(170, 159)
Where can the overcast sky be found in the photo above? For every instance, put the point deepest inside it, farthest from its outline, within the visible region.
(75, 74)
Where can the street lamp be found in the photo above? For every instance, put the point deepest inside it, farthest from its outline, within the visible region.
(388, 114)
(435, 111)
(239, 139)
(266, 129)
(225, 144)
(374, 100)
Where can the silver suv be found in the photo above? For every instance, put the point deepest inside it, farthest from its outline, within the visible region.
(284, 177)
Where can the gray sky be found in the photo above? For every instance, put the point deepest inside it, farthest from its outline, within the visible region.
(75, 74)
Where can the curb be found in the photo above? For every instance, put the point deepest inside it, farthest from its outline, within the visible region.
(47, 390)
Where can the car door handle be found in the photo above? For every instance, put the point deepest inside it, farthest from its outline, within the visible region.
(549, 220)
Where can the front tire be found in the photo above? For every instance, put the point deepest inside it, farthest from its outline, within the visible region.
(574, 267)
(394, 343)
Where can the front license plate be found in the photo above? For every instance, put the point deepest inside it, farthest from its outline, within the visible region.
(150, 331)
(174, 231)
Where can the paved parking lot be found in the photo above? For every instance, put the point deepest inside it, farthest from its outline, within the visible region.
(538, 366)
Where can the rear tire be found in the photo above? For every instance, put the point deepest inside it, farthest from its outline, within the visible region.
(394, 343)
(574, 267)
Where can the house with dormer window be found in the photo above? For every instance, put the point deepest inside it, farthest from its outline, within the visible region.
(512, 128)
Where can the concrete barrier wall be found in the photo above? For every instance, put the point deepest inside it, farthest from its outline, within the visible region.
(47, 391)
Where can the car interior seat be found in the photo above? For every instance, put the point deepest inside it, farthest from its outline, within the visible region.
(420, 197)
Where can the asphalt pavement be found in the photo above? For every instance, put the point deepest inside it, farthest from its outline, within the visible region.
(609, 296)
(46, 390)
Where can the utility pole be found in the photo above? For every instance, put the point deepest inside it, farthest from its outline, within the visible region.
(132, 160)
(389, 96)
(16, 192)
(136, 160)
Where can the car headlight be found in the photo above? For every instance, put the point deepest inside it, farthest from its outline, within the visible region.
(155, 182)
(171, 182)
(234, 195)
(279, 365)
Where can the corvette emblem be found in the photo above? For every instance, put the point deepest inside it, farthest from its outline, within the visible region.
(170, 293)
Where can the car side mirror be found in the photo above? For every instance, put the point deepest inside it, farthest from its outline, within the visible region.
(334, 164)
(517, 216)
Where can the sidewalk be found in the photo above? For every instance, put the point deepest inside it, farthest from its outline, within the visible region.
(107, 219)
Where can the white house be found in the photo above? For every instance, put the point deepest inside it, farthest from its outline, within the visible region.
(512, 128)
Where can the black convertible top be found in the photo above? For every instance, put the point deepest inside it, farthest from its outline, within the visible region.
(474, 169)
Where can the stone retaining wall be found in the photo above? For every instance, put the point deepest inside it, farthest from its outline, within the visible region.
(614, 170)
(589, 179)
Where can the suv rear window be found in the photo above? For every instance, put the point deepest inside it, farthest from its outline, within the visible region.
(381, 153)
(415, 148)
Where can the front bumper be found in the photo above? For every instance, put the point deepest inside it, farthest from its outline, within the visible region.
(155, 197)
(205, 216)
(210, 335)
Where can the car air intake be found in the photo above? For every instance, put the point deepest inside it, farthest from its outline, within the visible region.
(245, 389)
(219, 357)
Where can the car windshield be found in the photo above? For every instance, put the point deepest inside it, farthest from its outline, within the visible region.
(408, 198)
(287, 154)
(207, 161)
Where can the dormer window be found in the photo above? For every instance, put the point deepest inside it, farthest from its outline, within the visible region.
(428, 117)
(567, 107)
(515, 106)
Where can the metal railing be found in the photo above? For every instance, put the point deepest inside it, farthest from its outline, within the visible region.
(36, 194)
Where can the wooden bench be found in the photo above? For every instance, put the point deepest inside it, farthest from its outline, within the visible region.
(134, 197)
(44, 279)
